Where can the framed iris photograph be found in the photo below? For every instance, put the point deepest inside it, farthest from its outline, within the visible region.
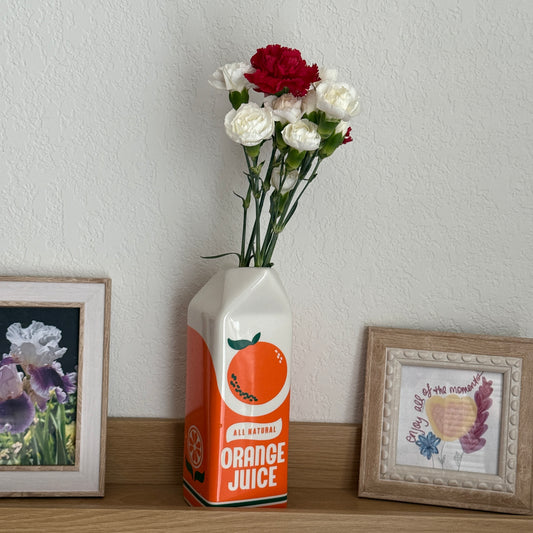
(447, 420)
(54, 344)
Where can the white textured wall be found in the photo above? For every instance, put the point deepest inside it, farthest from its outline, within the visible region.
(114, 163)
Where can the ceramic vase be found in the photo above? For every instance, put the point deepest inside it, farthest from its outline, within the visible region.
(238, 388)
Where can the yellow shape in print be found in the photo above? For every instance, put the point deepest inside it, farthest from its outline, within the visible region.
(451, 416)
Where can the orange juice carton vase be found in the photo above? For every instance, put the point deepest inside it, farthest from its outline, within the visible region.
(238, 391)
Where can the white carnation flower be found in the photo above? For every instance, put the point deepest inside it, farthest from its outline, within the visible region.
(287, 108)
(302, 135)
(250, 124)
(328, 74)
(230, 77)
(309, 102)
(337, 100)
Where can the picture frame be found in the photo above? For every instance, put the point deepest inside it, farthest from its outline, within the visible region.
(447, 420)
(54, 353)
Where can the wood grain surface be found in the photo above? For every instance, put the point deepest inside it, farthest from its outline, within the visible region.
(143, 492)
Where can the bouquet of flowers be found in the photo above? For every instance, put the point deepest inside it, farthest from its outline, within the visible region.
(304, 114)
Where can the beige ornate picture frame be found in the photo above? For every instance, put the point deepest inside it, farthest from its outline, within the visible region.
(447, 420)
(54, 349)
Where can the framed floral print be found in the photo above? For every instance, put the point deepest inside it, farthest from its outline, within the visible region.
(447, 420)
(54, 343)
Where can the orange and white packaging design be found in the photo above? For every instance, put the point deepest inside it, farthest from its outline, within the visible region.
(238, 391)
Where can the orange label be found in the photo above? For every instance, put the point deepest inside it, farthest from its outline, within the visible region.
(230, 458)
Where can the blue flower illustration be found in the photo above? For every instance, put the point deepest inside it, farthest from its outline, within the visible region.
(428, 444)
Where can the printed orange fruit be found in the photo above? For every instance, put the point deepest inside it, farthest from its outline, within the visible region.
(195, 447)
(257, 372)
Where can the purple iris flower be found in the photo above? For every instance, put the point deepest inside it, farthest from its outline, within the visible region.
(16, 408)
(36, 345)
(36, 349)
(45, 379)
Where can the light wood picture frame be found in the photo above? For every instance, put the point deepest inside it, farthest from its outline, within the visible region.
(447, 420)
(54, 352)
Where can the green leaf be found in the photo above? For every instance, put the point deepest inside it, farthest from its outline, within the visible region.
(220, 255)
(60, 436)
(245, 201)
(36, 443)
(243, 343)
(188, 466)
(239, 345)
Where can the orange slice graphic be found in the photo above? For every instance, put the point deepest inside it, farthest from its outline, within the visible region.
(195, 446)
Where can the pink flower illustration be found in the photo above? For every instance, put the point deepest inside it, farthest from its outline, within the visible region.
(473, 440)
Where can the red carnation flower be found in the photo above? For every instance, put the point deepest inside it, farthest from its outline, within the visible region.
(278, 68)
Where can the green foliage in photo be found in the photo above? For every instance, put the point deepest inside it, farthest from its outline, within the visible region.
(49, 441)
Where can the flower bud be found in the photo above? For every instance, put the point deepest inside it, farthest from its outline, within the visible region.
(289, 182)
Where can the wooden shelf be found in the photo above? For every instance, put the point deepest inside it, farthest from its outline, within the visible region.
(143, 492)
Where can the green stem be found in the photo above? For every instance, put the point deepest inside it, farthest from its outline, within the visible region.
(257, 226)
(269, 234)
(250, 248)
(262, 252)
(245, 205)
(277, 225)
(256, 188)
(243, 237)
(245, 261)
(308, 182)
(271, 246)
(266, 186)
(270, 166)
(260, 193)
